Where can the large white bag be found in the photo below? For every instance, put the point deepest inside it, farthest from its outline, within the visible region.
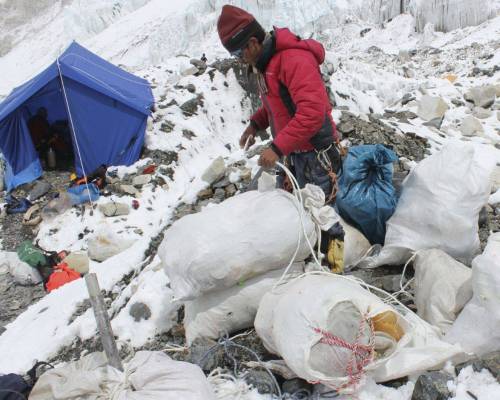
(244, 236)
(439, 207)
(442, 287)
(477, 328)
(230, 310)
(149, 375)
(22, 272)
(356, 245)
(316, 321)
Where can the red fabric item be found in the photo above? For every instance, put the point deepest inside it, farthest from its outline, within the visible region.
(231, 21)
(150, 169)
(61, 276)
(295, 64)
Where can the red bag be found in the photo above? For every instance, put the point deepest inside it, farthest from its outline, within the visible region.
(62, 275)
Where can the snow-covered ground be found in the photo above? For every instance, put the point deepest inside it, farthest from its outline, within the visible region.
(156, 39)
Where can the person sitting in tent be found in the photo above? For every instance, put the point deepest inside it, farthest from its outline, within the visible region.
(38, 126)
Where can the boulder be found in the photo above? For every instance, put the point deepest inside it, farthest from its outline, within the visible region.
(481, 96)
(191, 106)
(106, 244)
(141, 180)
(432, 386)
(205, 194)
(139, 311)
(430, 108)
(471, 126)
(215, 171)
(114, 209)
(190, 71)
(491, 362)
(128, 189)
(481, 113)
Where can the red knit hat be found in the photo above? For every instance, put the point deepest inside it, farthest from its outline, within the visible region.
(236, 27)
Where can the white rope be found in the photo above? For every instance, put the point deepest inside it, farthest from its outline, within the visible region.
(73, 131)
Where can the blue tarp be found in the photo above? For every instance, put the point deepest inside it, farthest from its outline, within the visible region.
(108, 106)
(366, 196)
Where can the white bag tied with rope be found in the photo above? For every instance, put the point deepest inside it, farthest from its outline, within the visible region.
(438, 208)
(149, 375)
(243, 237)
(214, 314)
(442, 287)
(477, 328)
(330, 330)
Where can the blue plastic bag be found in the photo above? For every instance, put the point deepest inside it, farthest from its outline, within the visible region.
(79, 194)
(366, 197)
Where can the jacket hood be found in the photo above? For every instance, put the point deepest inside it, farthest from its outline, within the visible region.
(286, 40)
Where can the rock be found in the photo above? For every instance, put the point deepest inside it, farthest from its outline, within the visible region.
(483, 217)
(432, 386)
(215, 171)
(490, 361)
(183, 210)
(457, 103)
(201, 355)
(481, 96)
(436, 122)
(114, 209)
(104, 245)
(190, 71)
(191, 106)
(296, 386)
(128, 189)
(407, 98)
(167, 127)
(140, 311)
(481, 113)
(231, 190)
(471, 126)
(191, 88)
(39, 190)
(141, 180)
(364, 31)
(430, 107)
(261, 380)
(200, 65)
(346, 127)
(205, 194)
(188, 134)
(221, 183)
(220, 194)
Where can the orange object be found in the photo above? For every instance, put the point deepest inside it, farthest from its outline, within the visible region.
(450, 77)
(387, 322)
(60, 277)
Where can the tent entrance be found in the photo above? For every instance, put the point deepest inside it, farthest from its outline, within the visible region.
(47, 120)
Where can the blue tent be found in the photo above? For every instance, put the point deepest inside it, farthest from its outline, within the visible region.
(107, 110)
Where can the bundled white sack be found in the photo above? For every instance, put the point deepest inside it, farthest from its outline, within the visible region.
(321, 325)
(22, 272)
(477, 328)
(243, 237)
(443, 286)
(438, 208)
(230, 310)
(149, 375)
(356, 245)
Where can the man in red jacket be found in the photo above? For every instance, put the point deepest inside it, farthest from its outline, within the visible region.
(295, 103)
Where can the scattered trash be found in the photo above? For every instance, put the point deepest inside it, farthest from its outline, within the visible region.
(442, 287)
(150, 169)
(31, 254)
(114, 209)
(40, 189)
(83, 193)
(151, 375)
(22, 272)
(356, 245)
(61, 276)
(57, 206)
(135, 204)
(16, 206)
(366, 197)
(33, 216)
(477, 327)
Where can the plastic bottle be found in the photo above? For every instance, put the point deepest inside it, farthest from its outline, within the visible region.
(51, 158)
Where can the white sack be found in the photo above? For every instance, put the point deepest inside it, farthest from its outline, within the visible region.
(442, 287)
(288, 317)
(356, 245)
(149, 375)
(22, 272)
(244, 236)
(477, 328)
(439, 208)
(230, 310)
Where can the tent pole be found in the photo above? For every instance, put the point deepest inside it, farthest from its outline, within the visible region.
(73, 131)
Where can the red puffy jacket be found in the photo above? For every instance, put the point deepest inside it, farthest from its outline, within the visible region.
(296, 105)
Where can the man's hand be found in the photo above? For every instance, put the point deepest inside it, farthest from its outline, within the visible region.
(268, 158)
(248, 134)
